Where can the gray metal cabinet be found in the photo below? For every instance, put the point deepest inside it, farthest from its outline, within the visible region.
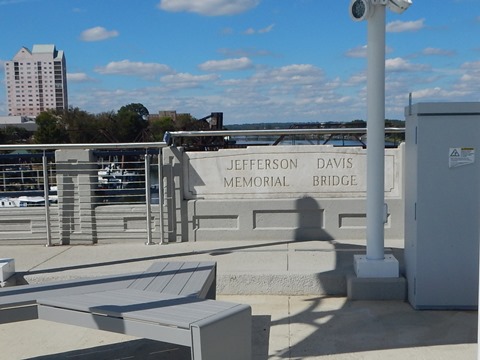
(442, 196)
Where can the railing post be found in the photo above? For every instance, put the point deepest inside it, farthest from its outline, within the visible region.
(171, 200)
(148, 200)
(46, 194)
(161, 201)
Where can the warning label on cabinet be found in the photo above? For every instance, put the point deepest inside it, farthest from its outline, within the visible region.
(461, 156)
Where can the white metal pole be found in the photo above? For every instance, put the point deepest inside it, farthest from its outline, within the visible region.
(148, 200)
(46, 195)
(376, 134)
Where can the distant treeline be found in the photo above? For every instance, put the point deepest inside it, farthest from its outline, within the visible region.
(330, 124)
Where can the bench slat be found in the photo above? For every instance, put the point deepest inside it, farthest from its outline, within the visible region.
(179, 278)
(143, 281)
(163, 309)
(204, 275)
(161, 276)
(28, 294)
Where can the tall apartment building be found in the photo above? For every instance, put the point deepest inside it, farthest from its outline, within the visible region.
(36, 81)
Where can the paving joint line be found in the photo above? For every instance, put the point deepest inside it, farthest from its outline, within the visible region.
(50, 258)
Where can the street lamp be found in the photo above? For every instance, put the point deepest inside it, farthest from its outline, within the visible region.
(375, 263)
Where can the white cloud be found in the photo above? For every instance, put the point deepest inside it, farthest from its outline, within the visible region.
(98, 33)
(436, 92)
(252, 31)
(297, 80)
(10, 2)
(473, 65)
(403, 26)
(357, 79)
(436, 51)
(465, 88)
(242, 63)
(132, 68)
(297, 73)
(79, 77)
(401, 65)
(266, 29)
(245, 52)
(470, 79)
(209, 7)
(187, 81)
(357, 52)
(361, 51)
(188, 78)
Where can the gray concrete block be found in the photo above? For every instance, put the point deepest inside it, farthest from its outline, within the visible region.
(376, 288)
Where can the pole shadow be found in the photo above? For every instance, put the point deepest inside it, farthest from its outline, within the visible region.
(327, 328)
(141, 349)
(146, 349)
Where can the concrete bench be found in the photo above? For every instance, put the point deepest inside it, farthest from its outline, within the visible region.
(178, 278)
(214, 330)
(170, 302)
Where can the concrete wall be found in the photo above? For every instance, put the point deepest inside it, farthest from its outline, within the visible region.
(276, 193)
(27, 225)
(114, 223)
(126, 223)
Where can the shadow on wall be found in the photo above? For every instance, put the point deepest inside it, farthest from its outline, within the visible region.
(311, 221)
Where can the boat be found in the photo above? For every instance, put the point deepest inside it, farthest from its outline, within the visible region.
(7, 203)
(26, 201)
(114, 177)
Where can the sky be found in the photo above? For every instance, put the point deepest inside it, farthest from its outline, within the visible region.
(256, 61)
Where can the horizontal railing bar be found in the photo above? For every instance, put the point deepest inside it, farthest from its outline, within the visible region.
(140, 145)
(278, 132)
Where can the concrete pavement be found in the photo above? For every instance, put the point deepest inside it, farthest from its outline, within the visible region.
(296, 290)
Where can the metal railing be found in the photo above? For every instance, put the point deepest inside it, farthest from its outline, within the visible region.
(322, 136)
(278, 132)
(86, 197)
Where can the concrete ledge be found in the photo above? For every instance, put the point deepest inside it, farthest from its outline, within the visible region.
(7, 269)
(376, 288)
(282, 284)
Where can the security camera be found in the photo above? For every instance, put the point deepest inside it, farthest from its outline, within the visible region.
(361, 9)
(399, 6)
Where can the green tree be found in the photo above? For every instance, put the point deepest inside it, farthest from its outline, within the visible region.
(158, 127)
(14, 135)
(106, 122)
(131, 123)
(136, 108)
(50, 129)
(357, 124)
(81, 126)
(186, 122)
